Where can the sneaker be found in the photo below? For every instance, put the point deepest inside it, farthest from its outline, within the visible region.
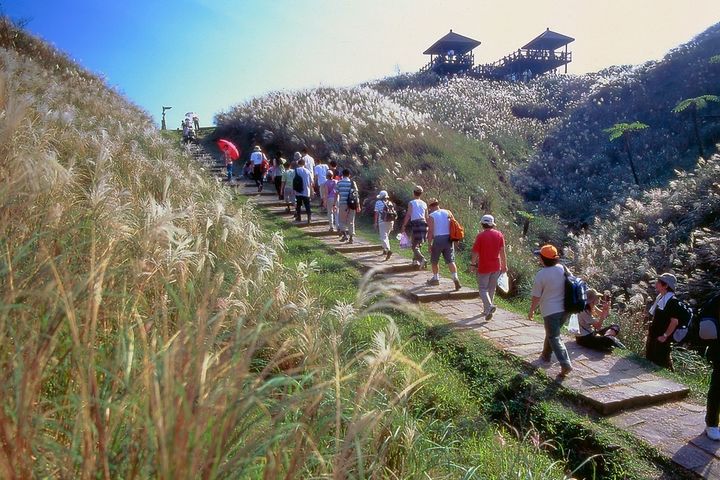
(343, 238)
(457, 284)
(331, 230)
(388, 255)
(433, 282)
(713, 433)
(287, 210)
(489, 315)
(350, 240)
(545, 358)
(565, 371)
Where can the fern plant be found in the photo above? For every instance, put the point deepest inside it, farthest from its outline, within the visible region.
(625, 131)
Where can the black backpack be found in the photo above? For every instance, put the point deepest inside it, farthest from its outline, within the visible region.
(298, 183)
(389, 213)
(575, 293)
(701, 329)
(353, 199)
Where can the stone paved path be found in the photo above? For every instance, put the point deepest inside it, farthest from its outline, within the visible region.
(635, 399)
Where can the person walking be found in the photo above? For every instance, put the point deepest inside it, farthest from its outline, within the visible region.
(287, 186)
(665, 313)
(711, 310)
(302, 197)
(417, 218)
(440, 244)
(548, 293)
(488, 256)
(330, 188)
(196, 122)
(385, 216)
(309, 164)
(228, 165)
(258, 160)
(346, 213)
(277, 170)
(320, 172)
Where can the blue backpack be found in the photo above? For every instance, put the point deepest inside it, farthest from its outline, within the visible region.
(575, 293)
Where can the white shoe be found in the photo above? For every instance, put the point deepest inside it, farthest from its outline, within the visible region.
(713, 433)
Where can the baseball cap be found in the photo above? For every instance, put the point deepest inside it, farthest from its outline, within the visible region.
(548, 251)
(488, 220)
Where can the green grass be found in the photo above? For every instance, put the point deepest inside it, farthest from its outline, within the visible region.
(475, 386)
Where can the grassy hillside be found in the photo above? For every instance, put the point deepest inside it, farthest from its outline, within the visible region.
(149, 327)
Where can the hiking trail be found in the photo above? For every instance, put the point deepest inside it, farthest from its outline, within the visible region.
(622, 390)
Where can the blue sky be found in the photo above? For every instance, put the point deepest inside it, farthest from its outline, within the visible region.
(206, 55)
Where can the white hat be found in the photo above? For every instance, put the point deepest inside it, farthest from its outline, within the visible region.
(257, 148)
(668, 279)
(488, 220)
(382, 195)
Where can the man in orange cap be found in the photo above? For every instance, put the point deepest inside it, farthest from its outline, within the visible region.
(548, 293)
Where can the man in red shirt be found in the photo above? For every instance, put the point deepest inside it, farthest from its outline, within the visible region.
(488, 255)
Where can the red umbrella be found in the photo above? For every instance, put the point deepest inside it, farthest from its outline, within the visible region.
(229, 148)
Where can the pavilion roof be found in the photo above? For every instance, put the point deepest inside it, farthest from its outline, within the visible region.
(452, 41)
(548, 40)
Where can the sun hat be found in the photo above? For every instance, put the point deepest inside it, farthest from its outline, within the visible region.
(382, 195)
(488, 220)
(418, 189)
(549, 252)
(433, 201)
(668, 279)
(297, 156)
(257, 148)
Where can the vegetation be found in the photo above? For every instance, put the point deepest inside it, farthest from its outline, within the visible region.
(694, 105)
(625, 131)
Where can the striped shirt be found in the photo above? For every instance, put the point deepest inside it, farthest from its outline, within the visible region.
(343, 188)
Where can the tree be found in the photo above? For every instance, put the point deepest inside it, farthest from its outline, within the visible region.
(694, 105)
(715, 59)
(624, 131)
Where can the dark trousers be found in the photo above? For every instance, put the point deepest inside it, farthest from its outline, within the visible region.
(712, 416)
(258, 175)
(597, 341)
(658, 352)
(299, 202)
(278, 185)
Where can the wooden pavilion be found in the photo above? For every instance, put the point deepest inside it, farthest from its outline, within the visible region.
(539, 56)
(451, 54)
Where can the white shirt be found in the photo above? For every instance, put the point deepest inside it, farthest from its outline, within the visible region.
(379, 207)
(441, 222)
(321, 173)
(304, 173)
(549, 286)
(256, 158)
(418, 208)
(660, 302)
(310, 164)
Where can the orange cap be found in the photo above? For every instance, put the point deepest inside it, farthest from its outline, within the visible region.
(549, 252)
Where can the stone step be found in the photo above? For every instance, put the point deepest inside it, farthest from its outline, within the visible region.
(353, 248)
(322, 231)
(313, 223)
(264, 193)
(372, 262)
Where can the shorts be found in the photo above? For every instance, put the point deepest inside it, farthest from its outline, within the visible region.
(442, 246)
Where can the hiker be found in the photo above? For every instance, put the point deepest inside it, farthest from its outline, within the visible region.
(276, 171)
(711, 310)
(385, 216)
(548, 293)
(228, 165)
(590, 321)
(309, 164)
(330, 191)
(488, 255)
(334, 168)
(440, 244)
(302, 195)
(347, 193)
(320, 172)
(417, 217)
(665, 313)
(196, 122)
(258, 159)
(287, 186)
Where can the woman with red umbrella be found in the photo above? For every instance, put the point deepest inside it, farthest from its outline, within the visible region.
(230, 153)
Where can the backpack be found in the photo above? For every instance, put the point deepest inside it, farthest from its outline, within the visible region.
(701, 329)
(575, 293)
(457, 232)
(389, 213)
(298, 183)
(353, 199)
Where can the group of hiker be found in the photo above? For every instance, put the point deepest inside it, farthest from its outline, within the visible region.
(297, 182)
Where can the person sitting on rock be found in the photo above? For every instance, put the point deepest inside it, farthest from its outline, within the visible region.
(592, 334)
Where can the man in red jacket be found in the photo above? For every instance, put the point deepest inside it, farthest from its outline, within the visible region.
(488, 255)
